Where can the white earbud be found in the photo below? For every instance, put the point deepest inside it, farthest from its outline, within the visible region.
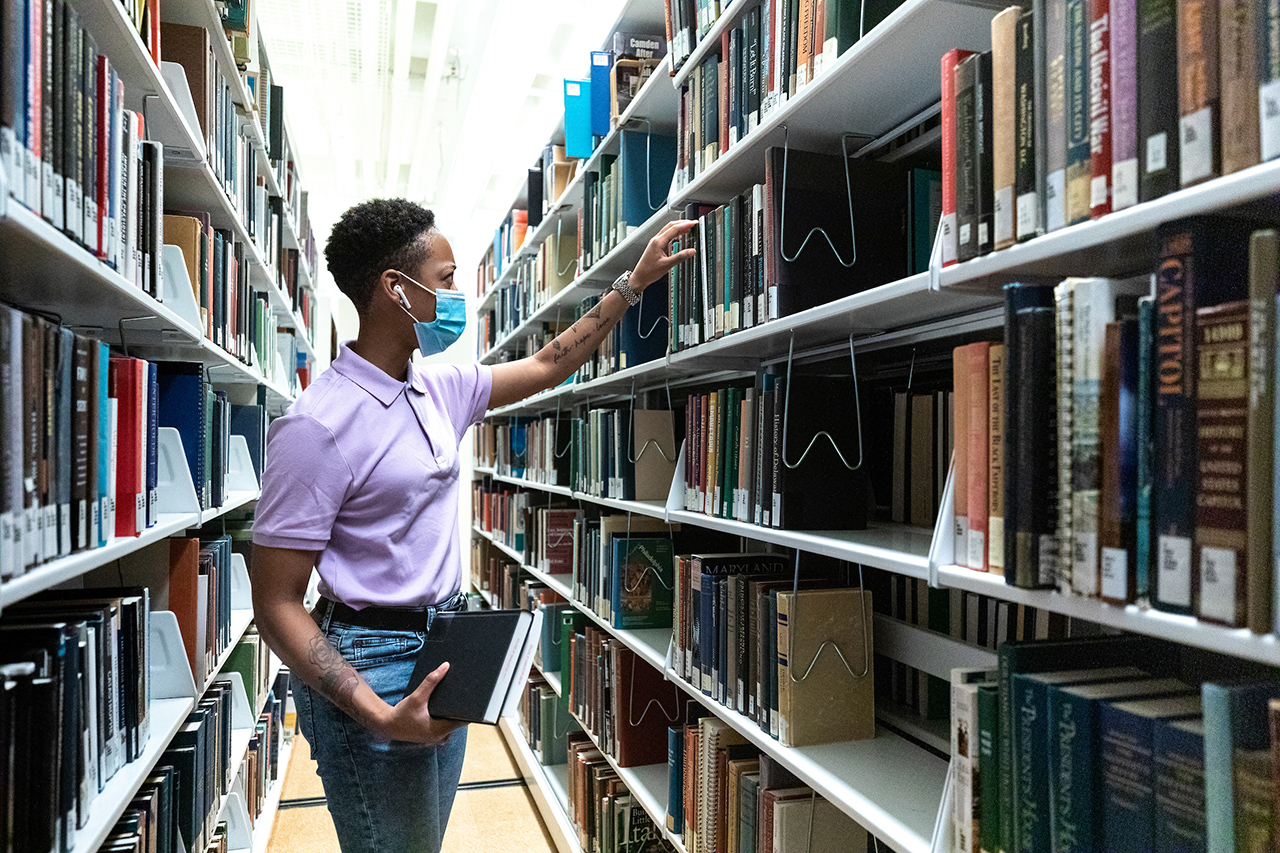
(404, 300)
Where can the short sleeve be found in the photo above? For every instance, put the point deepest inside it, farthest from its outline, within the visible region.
(303, 487)
(463, 392)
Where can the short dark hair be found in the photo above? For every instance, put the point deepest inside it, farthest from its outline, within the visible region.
(373, 236)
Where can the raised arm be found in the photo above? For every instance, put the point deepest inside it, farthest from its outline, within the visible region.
(557, 361)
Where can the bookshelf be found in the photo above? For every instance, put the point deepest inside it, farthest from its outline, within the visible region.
(886, 83)
(44, 270)
(549, 785)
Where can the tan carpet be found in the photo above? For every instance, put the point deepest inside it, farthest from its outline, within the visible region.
(482, 821)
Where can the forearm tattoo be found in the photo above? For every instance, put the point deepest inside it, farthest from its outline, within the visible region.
(338, 680)
(579, 337)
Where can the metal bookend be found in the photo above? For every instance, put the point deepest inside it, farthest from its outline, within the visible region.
(786, 411)
(175, 489)
(631, 420)
(169, 671)
(648, 166)
(782, 223)
(631, 701)
(794, 617)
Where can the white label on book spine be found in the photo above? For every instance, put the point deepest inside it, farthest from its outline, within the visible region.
(64, 529)
(776, 515)
(1055, 200)
(91, 224)
(1157, 152)
(34, 196)
(8, 553)
(995, 543)
(140, 512)
(1218, 584)
(1084, 571)
(1115, 573)
(977, 550)
(1269, 112)
(949, 246)
(59, 202)
(82, 530)
(1027, 210)
(46, 172)
(1003, 214)
(1196, 152)
(1124, 184)
(50, 531)
(962, 539)
(7, 144)
(1173, 581)
(965, 231)
(1098, 190)
(615, 488)
(1048, 558)
(95, 524)
(984, 234)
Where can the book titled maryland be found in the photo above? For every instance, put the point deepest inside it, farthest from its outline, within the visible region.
(643, 578)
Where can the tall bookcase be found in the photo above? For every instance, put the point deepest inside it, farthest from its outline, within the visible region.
(886, 83)
(45, 271)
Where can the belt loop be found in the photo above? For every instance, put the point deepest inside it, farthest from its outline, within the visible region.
(431, 617)
(328, 616)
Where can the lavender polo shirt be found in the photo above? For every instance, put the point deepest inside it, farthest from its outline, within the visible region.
(364, 469)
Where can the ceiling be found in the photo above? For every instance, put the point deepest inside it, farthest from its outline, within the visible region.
(446, 103)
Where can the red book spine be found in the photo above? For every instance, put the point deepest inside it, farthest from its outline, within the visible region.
(125, 379)
(950, 244)
(1100, 106)
(153, 19)
(976, 483)
(723, 91)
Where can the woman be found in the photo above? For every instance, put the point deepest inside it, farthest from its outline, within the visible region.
(361, 483)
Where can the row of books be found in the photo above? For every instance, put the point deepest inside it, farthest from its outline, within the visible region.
(1072, 113)
(501, 512)
(623, 192)
(522, 447)
(80, 428)
(1100, 745)
(1142, 430)
(623, 569)
(746, 272)
(494, 573)
(725, 795)
(70, 150)
(74, 707)
(535, 281)
(606, 814)
(261, 765)
(546, 721)
(773, 50)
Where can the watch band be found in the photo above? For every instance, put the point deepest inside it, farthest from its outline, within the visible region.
(622, 284)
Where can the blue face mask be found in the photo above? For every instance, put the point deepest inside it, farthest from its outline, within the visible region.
(451, 319)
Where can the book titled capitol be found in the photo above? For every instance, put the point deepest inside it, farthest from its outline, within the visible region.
(489, 654)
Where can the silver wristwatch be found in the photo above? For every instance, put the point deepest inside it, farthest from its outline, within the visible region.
(622, 284)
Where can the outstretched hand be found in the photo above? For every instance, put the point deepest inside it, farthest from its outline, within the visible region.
(409, 720)
(657, 259)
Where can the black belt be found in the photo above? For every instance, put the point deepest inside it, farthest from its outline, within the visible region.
(384, 618)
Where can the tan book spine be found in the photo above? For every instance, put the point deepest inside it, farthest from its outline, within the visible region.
(995, 459)
(1237, 50)
(979, 369)
(1004, 28)
(921, 461)
(804, 50)
(960, 440)
(1264, 276)
(1198, 91)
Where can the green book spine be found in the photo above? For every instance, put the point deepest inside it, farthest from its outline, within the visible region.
(988, 740)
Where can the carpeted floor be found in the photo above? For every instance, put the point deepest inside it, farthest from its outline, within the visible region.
(484, 818)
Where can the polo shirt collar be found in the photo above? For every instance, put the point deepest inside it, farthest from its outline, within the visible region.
(373, 379)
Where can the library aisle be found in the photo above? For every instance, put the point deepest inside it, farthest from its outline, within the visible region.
(493, 809)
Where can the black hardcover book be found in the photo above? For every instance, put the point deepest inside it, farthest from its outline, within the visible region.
(1016, 298)
(89, 142)
(1026, 206)
(35, 803)
(1203, 262)
(983, 159)
(534, 196)
(820, 403)
(56, 87)
(816, 192)
(1035, 556)
(754, 77)
(275, 133)
(966, 165)
(489, 652)
(1158, 164)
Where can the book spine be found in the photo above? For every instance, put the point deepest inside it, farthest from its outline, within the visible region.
(1030, 777)
(1003, 124)
(1127, 780)
(1158, 144)
(977, 395)
(1219, 787)
(1173, 432)
(1027, 210)
(1056, 114)
(1179, 788)
(960, 434)
(995, 455)
(1036, 440)
(1117, 522)
(966, 159)
(1145, 415)
(988, 840)
(964, 752)
(1264, 277)
(781, 628)
(675, 780)
(1222, 397)
(1267, 28)
(1237, 48)
(1100, 107)
(1076, 67)
(1124, 103)
(1064, 306)
(950, 244)
(984, 154)
(1200, 119)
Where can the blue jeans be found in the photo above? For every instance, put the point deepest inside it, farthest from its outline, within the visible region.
(384, 797)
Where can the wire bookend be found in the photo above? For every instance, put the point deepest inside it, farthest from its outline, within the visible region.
(794, 617)
(786, 411)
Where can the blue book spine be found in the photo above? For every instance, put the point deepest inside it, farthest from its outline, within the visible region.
(1073, 798)
(104, 441)
(1126, 780)
(153, 439)
(1180, 794)
(722, 640)
(1030, 778)
(675, 780)
(601, 65)
(577, 119)
(707, 627)
(1146, 400)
